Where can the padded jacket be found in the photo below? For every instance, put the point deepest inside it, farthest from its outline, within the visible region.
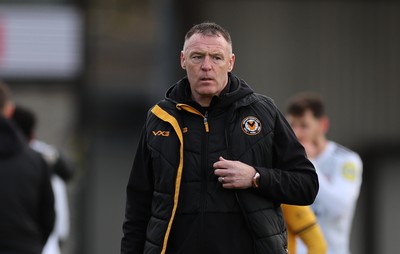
(26, 197)
(252, 130)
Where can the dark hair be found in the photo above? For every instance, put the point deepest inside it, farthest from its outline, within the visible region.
(300, 103)
(25, 119)
(5, 95)
(209, 29)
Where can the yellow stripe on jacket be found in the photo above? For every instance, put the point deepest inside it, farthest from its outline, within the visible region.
(163, 115)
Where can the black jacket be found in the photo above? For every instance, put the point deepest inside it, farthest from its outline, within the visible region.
(175, 203)
(26, 197)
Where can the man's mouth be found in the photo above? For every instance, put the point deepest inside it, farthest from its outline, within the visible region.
(206, 79)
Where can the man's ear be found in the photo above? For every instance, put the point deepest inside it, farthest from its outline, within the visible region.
(325, 124)
(9, 110)
(231, 62)
(183, 62)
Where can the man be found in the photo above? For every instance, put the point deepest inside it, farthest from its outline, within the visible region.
(214, 163)
(302, 224)
(26, 196)
(25, 119)
(338, 168)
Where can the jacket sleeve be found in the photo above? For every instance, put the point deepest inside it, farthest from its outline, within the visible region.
(64, 168)
(138, 201)
(292, 179)
(301, 222)
(314, 240)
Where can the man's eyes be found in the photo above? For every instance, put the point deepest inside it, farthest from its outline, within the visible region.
(214, 58)
(196, 58)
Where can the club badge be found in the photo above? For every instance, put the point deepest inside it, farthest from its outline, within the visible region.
(251, 125)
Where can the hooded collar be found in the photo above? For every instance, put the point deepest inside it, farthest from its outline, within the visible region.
(233, 91)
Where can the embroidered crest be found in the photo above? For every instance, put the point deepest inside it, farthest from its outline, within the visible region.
(251, 125)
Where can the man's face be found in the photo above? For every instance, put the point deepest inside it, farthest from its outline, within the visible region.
(307, 127)
(207, 61)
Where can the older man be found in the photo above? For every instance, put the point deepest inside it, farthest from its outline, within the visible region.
(214, 162)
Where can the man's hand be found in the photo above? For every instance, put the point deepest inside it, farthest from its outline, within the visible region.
(234, 174)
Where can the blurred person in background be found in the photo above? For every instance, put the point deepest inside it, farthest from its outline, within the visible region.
(26, 198)
(214, 163)
(339, 171)
(302, 224)
(59, 164)
(59, 167)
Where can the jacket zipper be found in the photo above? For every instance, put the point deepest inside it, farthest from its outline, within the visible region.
(205, 120)
(192, 110)
(204, 163)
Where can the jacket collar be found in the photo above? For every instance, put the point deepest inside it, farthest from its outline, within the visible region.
(234, 90)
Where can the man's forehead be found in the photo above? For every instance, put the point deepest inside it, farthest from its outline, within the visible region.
(306, 115)
(206, 41)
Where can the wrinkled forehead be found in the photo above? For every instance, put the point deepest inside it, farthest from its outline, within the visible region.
(207, 40)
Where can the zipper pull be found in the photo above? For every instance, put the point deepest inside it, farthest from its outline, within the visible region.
(206, 121)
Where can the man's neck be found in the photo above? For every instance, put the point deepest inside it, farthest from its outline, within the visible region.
(321, 145)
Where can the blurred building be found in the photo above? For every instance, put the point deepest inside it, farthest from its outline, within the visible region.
(91, 69)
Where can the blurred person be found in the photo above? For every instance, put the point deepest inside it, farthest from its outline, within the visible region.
(59, 164)
(339, 171)
(26, 121)
(214, 162)
(26, 197)
(302, 224)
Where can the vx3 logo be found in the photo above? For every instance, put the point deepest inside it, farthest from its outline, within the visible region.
(161, 133)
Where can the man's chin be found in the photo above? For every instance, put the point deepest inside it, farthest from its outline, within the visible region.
(208, 93)
(208, 90)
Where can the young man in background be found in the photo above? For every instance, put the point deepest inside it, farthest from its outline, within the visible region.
(339, 171)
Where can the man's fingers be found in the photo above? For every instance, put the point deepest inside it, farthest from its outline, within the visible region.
(222, 163)
(221, 172)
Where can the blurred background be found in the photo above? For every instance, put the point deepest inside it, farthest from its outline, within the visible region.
(90, 69)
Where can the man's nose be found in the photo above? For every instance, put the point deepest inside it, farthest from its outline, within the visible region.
(207, 63)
